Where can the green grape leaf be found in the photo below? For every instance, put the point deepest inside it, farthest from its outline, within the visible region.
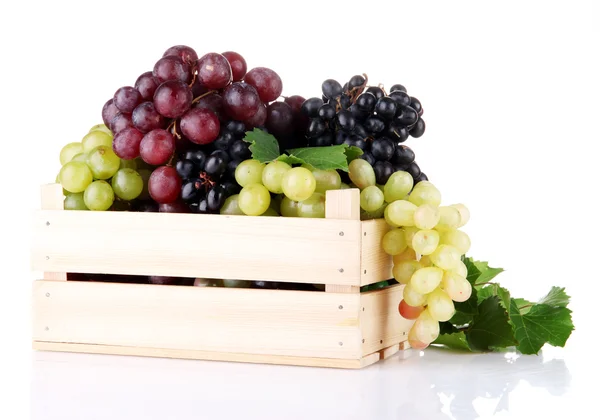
(264, 146)
(556, 297)
(455, 341)
(473, 272)
(491, 327)
(494, 290)
(326, 158)
(523, 305)
(542, 323)
(352, 153)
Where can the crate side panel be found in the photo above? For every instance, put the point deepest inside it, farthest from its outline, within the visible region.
(276, 322)
(191, 245)
(375, 264)
(380, 322)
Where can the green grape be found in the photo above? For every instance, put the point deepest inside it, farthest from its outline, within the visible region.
(75, 201)
(127, 184)
(425, 194)
(404, 270)
(344, 186)
(398, 186)
(249, 172)
(313, 206)
(81, 157)
(458, 287)
(130, 164)
(445, 257)
(449, 218)
(101, 127)
(465, 215)
(298, 184)
(426, 216)
(409, 233)
(272, 175)
(326, 180)
(361, 173)
(288, 208)
(254, 199)
(424, 242)
(145, 174)
(440, 305)
(75, 176)
(270, 212)
(68, 152)
(460, 269)
(400, 213)
(99, 196)
(371, 198)
(96, 138)
(231, 206)
(426, 329)
(409, 254)
(103, 162)
(426, 279)
(412, 297)
(458, 239)
(394, 242)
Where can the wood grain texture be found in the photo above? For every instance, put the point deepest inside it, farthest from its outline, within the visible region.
(274, 322)
(52, 199)
(375, 264)
(380, 322)
(336, 288)
(343, 204)
(322, 251)
(205, 355)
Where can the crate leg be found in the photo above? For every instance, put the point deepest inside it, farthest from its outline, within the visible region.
(52, 199)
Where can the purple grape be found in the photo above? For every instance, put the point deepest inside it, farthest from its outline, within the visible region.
(187, 54)
(120, 122)
(267, 83)
(146, 84)
(126, 99)
(241, 101)
(126, 143)
(172, 68)
(173, 98)
(146, 118)
(214, 71)
(109, 110)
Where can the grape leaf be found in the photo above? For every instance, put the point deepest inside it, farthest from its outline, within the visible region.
(556, 297)
(473, 272)
(264, 146)
(494, 290)
(491, 327)
(542, 324)
(523, 305)
(329, 157)
(446, 327)
(487, 273)
(352, 153)
(455, 341)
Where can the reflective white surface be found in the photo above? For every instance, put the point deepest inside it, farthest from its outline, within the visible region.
(434, 384)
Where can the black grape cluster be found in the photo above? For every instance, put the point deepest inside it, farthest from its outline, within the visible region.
(371, 119)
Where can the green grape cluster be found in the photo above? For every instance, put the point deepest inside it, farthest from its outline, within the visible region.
(93, 177)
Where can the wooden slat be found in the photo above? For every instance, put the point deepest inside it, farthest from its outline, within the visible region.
(321, 251)
(275, 322)
(52, 199)
(375, 264)
(343, 204)
(380, 322)
(204, 355)
(336, 288)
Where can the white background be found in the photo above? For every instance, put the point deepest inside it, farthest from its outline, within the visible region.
(510, 91)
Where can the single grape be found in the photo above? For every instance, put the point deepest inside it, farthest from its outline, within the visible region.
(239, 150)
(386, 108)
(425, 242)
(249, 172)
(458, 239)
(94, 139)
(345, 120)
(254, 199)
(238, 65)
(164, 185)
(361, 173)
(313, 206)
(201, 126)
(120, 122)
(407, 116)
(69, 151)
(413, 169)
(99, 196)
(418, 129)
(298, 184)
(267, 83)
(101, 127)
(371, 198)
(213, 102)
(449, 219)
(356, 81)
(377, 91)
(401, 98)
(173, 98)
(382, 148)
(272, 176)
(408, 255)
(409, 312)
(404, 270)
(426, 279)
(445, 257)
(426, 216)
(327, 112)
(127, 184)
(197, 157)
(412, 297)
(214, 71)
(187, 54)
(311, 106)
(74, 201)
(231, 206)
(126, 99)
(280, 119)
(288, 208)
(465, 215)
(366, 102)
(146, 118)
(398, 185)
(172, 67)
(259, 119)
(103, 162)
(440, 305)
(425, 194)
(403, 154)
(157, 147)
(146, 84)
(326, 179)
(460, 269)
(241, 101)
(426, 328)
(331, 88)
(456, 286)
(383, 171)
(394, 242)
(215, 198)
(190, 189)
(398, 87)
(400, 213)
(216, 164)
(396, 132)
(409, 234)
(109, 110)
(126, 143)
(414, 342)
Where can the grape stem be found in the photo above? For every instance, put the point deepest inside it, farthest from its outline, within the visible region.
(203, 95)
(193, 79)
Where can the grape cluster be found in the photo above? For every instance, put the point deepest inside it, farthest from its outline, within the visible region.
(371, 119)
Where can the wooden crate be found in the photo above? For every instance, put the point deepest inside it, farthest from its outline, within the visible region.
(338, 327)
